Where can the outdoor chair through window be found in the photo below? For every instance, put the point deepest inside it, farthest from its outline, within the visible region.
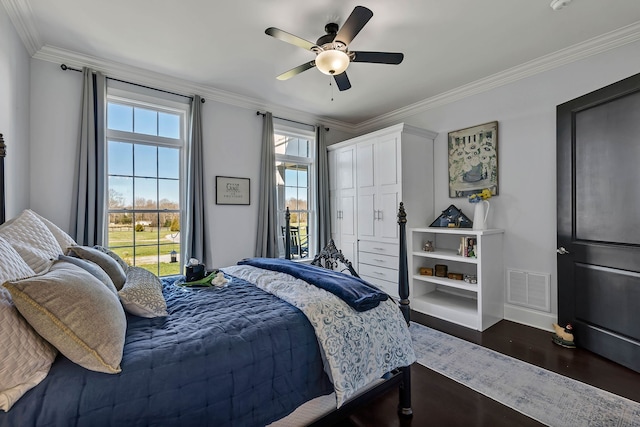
(298, 247)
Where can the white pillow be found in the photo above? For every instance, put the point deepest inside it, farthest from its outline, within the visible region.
(31, 238)
(25, 357)
(63, 239)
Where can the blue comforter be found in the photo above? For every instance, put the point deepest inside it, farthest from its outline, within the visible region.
(360, 295)
(235, 356)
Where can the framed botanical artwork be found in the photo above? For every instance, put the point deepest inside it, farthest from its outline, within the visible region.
(473, 160)
(232, 191)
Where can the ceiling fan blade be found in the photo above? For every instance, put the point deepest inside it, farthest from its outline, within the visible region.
(295, 71)
(289, 38)
(342, 81)
(354, 23)
(378, 57)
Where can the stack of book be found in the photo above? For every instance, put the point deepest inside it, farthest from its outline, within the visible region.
(468, 246)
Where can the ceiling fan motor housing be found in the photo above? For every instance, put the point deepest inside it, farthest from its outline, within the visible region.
(331, 29)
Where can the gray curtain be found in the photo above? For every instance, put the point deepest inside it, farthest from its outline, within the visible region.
(267, 239)
(88, 205)
(324, 210)
(195, 238)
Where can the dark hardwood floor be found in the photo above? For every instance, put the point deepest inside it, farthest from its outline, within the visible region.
(439, 401)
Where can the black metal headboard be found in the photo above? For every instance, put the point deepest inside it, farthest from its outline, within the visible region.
(3, 153)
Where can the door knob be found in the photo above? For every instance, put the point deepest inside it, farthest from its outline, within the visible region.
(562, 251)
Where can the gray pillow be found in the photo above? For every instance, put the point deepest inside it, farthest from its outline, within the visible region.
(93, 268)
(76, 313)
(108, 264)
(113, 255)
(142, 294)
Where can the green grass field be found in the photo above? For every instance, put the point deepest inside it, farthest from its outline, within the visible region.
(148, 243)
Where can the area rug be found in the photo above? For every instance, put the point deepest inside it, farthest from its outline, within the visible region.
(545, 396)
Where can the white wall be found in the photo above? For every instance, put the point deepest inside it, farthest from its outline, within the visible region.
(526, 115)
(14, 115)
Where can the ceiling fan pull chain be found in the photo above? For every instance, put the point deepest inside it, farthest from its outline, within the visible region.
(331, 86)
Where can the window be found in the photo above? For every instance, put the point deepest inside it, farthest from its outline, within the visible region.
(295, 182)
(145, 146)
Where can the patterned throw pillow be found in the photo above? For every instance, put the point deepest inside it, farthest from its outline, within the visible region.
(31, 238)
(108, 264)
(25, 357)
(142, 294)
(76, 313)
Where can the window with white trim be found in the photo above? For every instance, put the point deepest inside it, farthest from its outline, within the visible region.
(146, 141)
(296, 187)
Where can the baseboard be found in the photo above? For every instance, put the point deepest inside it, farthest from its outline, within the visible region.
(530, 317)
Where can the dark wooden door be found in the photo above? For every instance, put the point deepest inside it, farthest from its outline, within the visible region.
(598, 195)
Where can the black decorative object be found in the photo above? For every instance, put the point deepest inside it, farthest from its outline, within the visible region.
(452, 217)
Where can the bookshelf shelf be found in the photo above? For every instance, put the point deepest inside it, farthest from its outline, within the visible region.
(474, 305)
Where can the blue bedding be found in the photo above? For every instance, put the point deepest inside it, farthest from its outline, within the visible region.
(235, 356)
(360, 295)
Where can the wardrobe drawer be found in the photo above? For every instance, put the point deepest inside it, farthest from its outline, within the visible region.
(389, 287)
(378, 247)
(379, 260)
(381, 273)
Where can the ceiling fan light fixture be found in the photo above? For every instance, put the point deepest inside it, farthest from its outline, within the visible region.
(332, 62)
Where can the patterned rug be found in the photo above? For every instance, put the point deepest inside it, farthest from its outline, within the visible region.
(545, 396)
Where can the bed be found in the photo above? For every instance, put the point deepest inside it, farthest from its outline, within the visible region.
(241, 354)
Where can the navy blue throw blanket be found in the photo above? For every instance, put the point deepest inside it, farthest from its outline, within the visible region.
(360, 295)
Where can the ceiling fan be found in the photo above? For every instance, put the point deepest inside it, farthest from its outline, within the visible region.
(332, 49)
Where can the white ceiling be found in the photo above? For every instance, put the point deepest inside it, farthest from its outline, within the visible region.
(221, 45)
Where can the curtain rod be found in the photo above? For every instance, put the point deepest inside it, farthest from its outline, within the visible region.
(65, 68)
(258, 113)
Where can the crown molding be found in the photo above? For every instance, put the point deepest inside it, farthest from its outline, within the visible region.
(21, 16)
(594, 46)
(149, 78)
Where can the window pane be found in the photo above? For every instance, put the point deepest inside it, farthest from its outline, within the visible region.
(146, 160)
(168, 193)
(169, 125)
(120, 230)
(146, 191)
(145, 121)
(302, 176)
(170, 221)
(280, 141)
(120, 192)
(290, 176)
(168, 162)
(291, 198)
(119, 117)
(120, 158)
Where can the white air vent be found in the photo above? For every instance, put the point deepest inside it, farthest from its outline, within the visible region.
(529, 289)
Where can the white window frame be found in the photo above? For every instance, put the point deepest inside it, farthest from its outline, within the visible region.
(159, 104)
(311, 162)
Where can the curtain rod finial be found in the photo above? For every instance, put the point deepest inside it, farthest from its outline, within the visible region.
(63, 66)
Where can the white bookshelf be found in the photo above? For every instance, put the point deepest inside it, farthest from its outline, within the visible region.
(476, 306)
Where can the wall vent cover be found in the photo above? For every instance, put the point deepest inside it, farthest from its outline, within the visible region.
(529, 289)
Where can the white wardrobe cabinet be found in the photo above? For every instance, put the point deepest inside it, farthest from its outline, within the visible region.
(371, 175)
